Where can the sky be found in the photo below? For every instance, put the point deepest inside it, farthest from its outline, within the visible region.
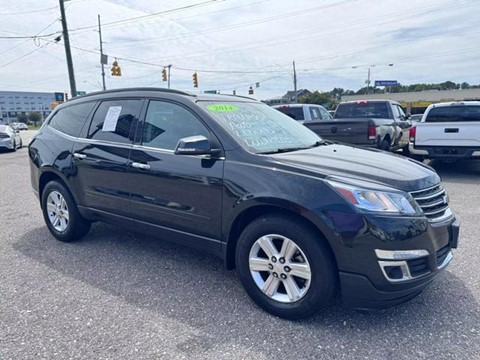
(235, 44)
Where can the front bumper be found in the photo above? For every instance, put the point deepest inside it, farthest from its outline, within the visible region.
(6, 144)
(368, 285)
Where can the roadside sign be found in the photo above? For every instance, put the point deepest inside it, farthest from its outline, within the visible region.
(386, 82)
(59, 96)
(79, 93)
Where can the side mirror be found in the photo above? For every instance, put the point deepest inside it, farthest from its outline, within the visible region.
(194, 145)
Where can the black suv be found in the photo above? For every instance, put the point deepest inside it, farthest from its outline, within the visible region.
(299, 217)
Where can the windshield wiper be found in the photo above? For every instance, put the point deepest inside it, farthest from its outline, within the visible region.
(283, 150)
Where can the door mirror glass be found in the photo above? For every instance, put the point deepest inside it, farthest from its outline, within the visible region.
(193, 145)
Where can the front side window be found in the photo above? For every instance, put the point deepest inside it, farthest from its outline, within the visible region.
(114, 120)
(70, 120)
(325, 115)
(260, 128)
(166, 123)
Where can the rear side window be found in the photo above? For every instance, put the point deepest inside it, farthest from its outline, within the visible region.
(366, 109)
(70, 120)
(294, 112)
(115, 120)
(454, 113)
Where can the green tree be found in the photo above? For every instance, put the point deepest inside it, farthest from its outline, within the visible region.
(35, 117)
(21, 117)
(321, 98)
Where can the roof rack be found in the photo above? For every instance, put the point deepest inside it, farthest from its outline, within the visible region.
(134, 89)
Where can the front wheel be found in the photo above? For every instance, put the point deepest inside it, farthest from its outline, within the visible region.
(61, 214)
(285, 267)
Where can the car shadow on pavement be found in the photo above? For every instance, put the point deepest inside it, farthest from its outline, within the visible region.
(466, 171)
(194, 288)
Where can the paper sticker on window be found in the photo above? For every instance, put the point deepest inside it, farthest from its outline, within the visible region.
(111, 118)
(222, 108)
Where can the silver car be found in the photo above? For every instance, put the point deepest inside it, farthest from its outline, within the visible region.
(9, 138)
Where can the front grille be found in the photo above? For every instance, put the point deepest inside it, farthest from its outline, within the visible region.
(418, 267)
(433, 201)
(442, 254)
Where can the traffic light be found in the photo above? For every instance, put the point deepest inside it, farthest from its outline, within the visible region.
(234, 92)
(164, 74)
(66, 96)
(116, 71)
(195, 80)
(250, 90)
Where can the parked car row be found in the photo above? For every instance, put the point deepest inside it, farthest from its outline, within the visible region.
(379, 124)
(300, 218)
(19, 126)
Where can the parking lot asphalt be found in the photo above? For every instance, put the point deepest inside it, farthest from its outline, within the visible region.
(119, 295)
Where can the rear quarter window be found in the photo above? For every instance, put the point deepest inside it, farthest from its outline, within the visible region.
(454, 114)
(70, 120)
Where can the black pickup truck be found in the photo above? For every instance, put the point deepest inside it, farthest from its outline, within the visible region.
(377, 123)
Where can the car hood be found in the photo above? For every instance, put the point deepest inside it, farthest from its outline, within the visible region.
(367, 165)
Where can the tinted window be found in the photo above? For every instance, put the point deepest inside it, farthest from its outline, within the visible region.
(166, 123)
(364, 109)
(120, 116)
(294, 112)
(454, 113)
(70, 120)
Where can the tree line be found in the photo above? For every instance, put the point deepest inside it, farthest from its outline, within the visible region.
(330, 99)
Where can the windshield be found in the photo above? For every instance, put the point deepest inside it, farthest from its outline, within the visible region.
(260, 128)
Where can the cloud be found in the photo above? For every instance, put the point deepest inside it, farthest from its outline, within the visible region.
(426, 40)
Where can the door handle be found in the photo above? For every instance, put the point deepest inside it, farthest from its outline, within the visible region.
(141, 166)
(79, 156)
(451, 130)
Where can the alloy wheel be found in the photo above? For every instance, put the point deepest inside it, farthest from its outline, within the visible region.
(280, 268)
(57, 211)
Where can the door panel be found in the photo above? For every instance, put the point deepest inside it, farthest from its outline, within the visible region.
(100, 158)
(181, 192)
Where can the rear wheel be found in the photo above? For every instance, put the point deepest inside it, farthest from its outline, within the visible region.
(61, 214)
(285, 267)
(385, 145)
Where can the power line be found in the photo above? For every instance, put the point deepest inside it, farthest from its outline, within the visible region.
(29, 12)
(141, 17)
(246, 23)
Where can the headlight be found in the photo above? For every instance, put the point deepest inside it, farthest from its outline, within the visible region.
(377, 201)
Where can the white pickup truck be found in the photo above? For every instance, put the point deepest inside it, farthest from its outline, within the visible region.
(449, 131)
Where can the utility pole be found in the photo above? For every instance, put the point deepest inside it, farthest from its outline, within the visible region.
(295, 82)
(68, 54)
(102, 59)
(368, 82)
(168, 78)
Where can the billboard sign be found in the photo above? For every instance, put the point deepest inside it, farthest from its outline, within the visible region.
(386, 82)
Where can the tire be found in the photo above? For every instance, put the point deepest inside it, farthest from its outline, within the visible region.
(385, 145)
(417, 157)
(406, 151)
(69, 227)
(14, 146)
(311, 252)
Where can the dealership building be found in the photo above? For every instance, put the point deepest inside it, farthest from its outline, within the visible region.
(417, 102)
(13, 103)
